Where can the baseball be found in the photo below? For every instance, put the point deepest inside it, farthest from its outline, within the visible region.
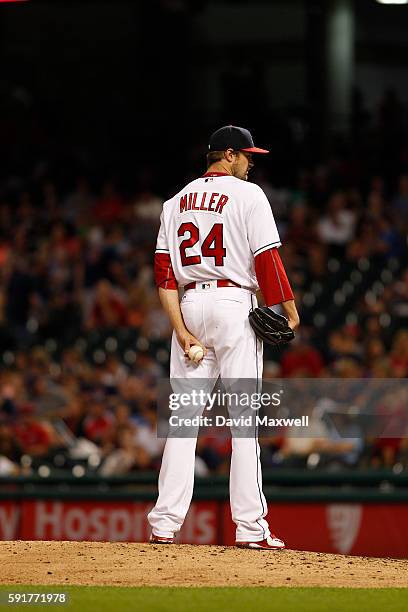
(196, 353)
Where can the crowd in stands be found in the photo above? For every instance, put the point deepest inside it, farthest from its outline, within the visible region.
(83, 339)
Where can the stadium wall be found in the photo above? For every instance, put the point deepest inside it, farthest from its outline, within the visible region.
(361, 526)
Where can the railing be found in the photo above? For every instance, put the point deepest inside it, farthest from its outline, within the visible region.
(284, 485)
(282, 477)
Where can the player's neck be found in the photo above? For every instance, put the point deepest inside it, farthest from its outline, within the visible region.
(219, 168)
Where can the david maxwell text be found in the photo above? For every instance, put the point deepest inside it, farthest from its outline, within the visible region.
(222, 421)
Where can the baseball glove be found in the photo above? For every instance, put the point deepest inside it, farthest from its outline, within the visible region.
(270, 326)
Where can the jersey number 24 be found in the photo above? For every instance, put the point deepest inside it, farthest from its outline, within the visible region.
(213, 245)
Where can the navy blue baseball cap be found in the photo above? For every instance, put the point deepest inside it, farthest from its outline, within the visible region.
(233, 137)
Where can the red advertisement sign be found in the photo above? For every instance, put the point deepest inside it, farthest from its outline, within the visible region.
(9, 520)
(377, 530)
(109, 521)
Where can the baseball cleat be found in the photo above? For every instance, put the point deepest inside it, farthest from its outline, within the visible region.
(154, 539)
(270, 543)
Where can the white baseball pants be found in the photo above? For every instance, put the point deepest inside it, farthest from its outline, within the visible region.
(218, 317)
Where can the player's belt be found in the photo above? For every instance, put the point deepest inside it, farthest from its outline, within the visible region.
(220, 283)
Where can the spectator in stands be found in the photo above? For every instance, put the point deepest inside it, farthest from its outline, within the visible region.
(19, 285)
(345, 342)
(215, 450)
(324, 444)
(337, 226)
(63, 244)
(156, 324)
(371, 326)
(123, 416)
(374, 352)
(302, 232)
(109, 208)
(148, 208)
(391, 409)
(301, 359)
(126, 457)
(62, 319)
(74, 415)
(399, 300)
(366, 242)
(135, 392)
(380, 368)
(7, 467)
(146, 436)
(48, 396)
(148, 370)
(108, 309)
(317, 263)
(137, 306)
(399, 354)
(347, 367)
(99, 424)
(10, 452)
(31, 434)
(112, 374)
(78, 205)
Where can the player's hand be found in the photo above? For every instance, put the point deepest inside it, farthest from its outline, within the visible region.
(293, 323)
(187, 340)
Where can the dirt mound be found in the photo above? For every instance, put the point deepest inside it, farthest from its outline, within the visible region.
(120, 564)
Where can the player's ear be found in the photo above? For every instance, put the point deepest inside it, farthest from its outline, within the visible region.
(229, 155)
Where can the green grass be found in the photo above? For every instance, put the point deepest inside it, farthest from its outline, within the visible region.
(203, 599)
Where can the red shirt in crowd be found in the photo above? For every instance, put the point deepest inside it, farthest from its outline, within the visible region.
(108, 210)
(31, 434)
(111, 313)
(96, 428)
(302, 361)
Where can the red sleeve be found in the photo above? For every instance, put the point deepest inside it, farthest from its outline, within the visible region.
(272, 278)
(163, 271)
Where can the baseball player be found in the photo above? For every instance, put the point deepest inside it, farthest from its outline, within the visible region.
(218, 240)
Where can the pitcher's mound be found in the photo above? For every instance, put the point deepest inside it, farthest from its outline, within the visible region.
(119, 564)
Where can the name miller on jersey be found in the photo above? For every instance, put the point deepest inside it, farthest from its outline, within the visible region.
(215, 202)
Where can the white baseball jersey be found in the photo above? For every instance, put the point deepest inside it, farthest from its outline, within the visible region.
(213, 229)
